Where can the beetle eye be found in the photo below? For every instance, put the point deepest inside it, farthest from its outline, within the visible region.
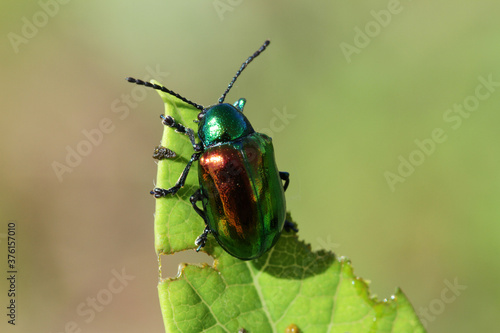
(200, 116)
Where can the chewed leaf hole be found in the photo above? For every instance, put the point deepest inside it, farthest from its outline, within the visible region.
(172, 263)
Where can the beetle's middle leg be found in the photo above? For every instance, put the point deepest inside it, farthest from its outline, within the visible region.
(202, 239)
(286, 177)
(161, 192)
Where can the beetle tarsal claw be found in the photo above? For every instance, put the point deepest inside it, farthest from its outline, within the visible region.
(161, 192)
(200, 242)
(202, 239)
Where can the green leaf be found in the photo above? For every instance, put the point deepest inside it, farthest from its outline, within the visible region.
(176, 223)
(290, 284)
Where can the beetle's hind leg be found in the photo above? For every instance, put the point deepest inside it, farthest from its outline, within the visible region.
(201, 239)
(289, 226)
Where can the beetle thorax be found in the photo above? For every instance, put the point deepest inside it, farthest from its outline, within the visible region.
(223, 123)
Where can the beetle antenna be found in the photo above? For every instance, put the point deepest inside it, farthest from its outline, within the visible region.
(162, 88)
(243, 66)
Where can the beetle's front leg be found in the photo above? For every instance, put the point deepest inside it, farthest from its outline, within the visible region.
(170, 122)
(160, 192)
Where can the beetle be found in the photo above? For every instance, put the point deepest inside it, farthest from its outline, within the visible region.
(241, 189)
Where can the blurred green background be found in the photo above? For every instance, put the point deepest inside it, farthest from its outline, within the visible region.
(360, 82)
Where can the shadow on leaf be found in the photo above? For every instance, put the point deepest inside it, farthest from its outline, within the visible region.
(292, 259)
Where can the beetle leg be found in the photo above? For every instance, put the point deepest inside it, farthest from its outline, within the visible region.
(160, 192)
(290, 226)
(201, 239)
(286, 177)
(194, 199)
(170, 122)
(161, 153)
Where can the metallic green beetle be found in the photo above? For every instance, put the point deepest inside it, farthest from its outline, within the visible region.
(241, 189)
